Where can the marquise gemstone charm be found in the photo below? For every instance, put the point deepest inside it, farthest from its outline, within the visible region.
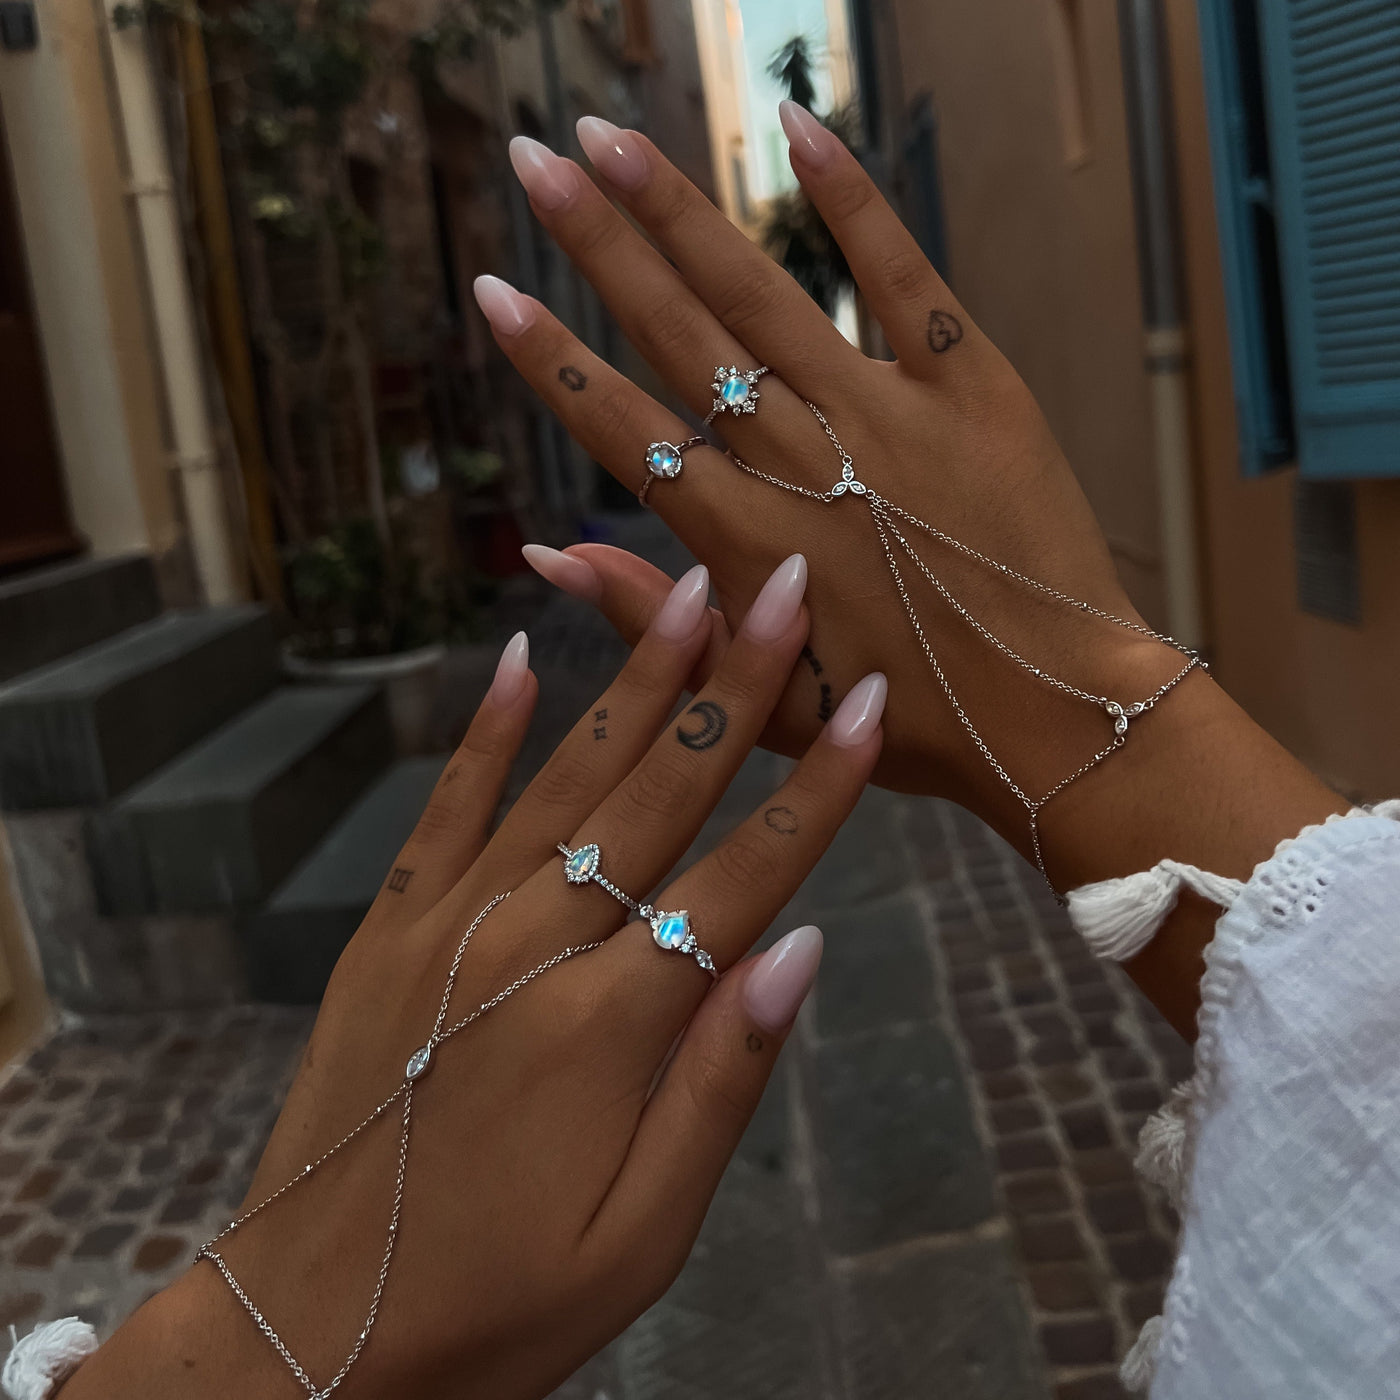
(581, 865)
(417, 1063)
(671, 930)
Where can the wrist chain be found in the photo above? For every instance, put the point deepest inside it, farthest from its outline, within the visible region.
(417, 1067)
(891, 521)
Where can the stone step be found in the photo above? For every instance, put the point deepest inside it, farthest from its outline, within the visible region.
(80, 731)
(292, 943)
(221, 826)
(47, 613)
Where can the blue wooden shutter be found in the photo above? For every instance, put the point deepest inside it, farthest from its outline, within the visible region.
(1332, 86)
(1244, 207)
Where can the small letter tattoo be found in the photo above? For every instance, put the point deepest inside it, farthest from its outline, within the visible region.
(944, 331)
(713, 723)
(754, 1043)
(600, 730)
(572, 378)
(824, 704)
(398, 881)
(783, 820)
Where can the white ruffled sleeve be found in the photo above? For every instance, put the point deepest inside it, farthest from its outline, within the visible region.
(1284, 1151)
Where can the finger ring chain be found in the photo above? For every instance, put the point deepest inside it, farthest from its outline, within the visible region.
(670, 931)
(417, 1066)
(894, 525)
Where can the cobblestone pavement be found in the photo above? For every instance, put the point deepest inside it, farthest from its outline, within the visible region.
(935, 1197)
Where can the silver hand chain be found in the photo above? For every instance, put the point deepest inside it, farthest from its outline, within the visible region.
(885, 513)
(418, 1064)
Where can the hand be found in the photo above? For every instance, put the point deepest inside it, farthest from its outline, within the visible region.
(948, 430)
(565, 1147)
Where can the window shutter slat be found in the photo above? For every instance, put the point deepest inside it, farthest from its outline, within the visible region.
(1332, 89)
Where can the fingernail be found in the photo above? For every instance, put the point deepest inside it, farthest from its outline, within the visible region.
(617, 154)
(507, 310)
(681, 612)
(778, 601)
(858, 715)
(550, 180)
(812, 143)
(782, 977)
(573, 576)
(511, 670)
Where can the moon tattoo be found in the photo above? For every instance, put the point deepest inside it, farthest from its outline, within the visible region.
(713, 723)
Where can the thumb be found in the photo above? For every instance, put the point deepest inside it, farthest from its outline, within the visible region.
(626, 589)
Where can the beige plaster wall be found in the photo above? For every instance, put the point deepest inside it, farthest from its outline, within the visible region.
(1036, 185)
(89, 293)
(1327, 690)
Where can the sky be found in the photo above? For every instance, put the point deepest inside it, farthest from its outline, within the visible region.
(768, 25)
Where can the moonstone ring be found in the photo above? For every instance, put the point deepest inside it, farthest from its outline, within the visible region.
(669, 930)
(735, 390)
(665, 460)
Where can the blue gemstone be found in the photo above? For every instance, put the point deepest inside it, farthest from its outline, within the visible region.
(664, 460)
(672, 930)
(581, 864)
(735, 389)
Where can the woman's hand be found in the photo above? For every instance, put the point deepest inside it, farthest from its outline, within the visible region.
(947, 431)
(565, 1147)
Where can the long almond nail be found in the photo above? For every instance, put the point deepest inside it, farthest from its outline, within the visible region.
(511, 670)
(681, 612)
(778, 601)
(576, 577)
(508, 311)
(858, 716)
(549, 180)
(808, 139)
(616, 154)
(779, 982)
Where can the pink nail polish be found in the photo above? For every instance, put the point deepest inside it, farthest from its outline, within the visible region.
(807, 138)
(576, 577)
(511, 670)
(616, 154)
(858, 715)
(549, 180)
(778, 601)
(782, 977)
(681, 612)
(507, 310)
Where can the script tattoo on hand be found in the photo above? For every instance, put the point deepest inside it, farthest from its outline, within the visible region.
(824, 704)
(783, 820)
(944, 331)
(572, 378)
(600, 729)
(398, 880)
(713, 723)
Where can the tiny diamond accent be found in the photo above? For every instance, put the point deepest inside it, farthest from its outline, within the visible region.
(418, 1062)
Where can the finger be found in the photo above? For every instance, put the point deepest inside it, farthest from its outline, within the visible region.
(605, 413)
(646, 824)
(736, 891)
(454, 825)
(628, 591)
(613, 734)
(658, 312)
(693, 1122)
(921, 318)
(749, 293)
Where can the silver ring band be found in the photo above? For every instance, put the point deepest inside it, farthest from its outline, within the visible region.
(670, 930)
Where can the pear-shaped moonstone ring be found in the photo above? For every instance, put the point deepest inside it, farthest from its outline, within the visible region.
(670, 931)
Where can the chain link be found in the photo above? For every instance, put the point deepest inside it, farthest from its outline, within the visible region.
(405, 1092)
(885, 513)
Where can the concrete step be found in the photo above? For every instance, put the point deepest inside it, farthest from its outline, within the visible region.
(47, 613)
(80, 731)
(222, 825)
(292, 943)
